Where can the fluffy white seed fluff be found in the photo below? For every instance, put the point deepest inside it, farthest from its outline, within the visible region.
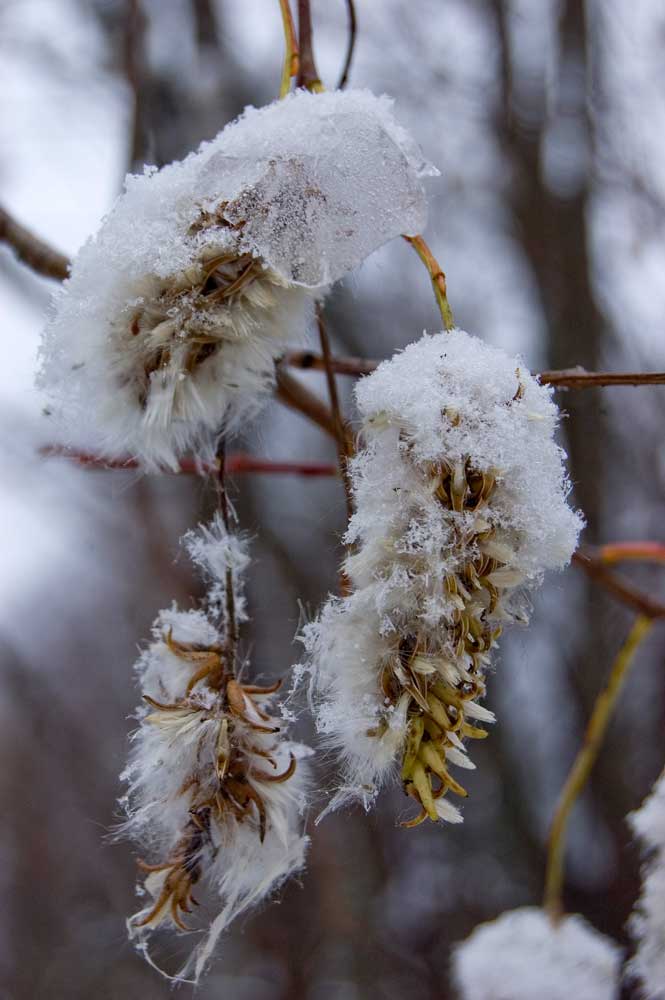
(207, 802)
(203, 272)
(647, 924)
(460, 494)
(522, 956)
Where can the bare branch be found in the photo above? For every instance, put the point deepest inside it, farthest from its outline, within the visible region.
(353, 24)
(236, 463)
(614, 584)
(578, 378)
(291, 54)
(344, 444)
(567, 378)
(294, 394)
(584, 762)
(37, 254)
(437, 276)
(308, 75)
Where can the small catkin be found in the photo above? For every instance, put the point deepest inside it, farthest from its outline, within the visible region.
(215, 788)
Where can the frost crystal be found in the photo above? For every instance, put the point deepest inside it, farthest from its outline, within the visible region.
(204, 271)
(460, 495)
(522, 955)
(647, 924)
(215, 792)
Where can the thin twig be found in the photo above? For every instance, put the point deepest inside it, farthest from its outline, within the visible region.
(236, 463)
(135, 28)
(584, 762)
(344, 447)
(231, 617)
(578, 378)
(437, 276)
(34, 252)
(617, 586)
(341, 366)
(353, 25)
(308, 76)
(615, 552)
(294, 394)
(291, 55)
(567, 378)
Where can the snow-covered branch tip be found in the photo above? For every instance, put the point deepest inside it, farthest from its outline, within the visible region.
(215, 788)
(460, 495)
(204, 272)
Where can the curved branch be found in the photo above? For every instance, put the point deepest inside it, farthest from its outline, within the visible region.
(614, 584)
(353, 25)
(30, 249)
(236, 463)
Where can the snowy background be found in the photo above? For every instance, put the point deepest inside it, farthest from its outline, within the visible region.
(546, 120)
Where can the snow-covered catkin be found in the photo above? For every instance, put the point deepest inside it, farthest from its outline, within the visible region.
(523, 955)
(647, 924)
(460, 495)
(205, 271)
(216, 790)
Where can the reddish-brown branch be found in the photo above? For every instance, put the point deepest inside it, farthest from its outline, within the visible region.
(37, 254)
(307, 73)
(236, 463)
(569, 378)
(623, 591)
(615, 552)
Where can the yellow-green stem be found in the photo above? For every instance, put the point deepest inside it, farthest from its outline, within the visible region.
(437, 276)
(291, 57)
(584, 762)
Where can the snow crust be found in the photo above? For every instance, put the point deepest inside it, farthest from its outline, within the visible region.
(204, 271)
(522, 956)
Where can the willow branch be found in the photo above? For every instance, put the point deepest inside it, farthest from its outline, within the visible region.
(567, 378)
(295, 395)
(615, 552)
(236, 463)
(344, 446)
(353, 25)
(615, 585)
(30, 249)
(291, 55)
(437, 276)
(585, 760)
(308, 76)
(578, 378)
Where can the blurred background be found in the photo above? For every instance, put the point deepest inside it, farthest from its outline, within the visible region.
(547, 121)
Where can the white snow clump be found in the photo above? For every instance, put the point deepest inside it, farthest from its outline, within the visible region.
(522, 955)
(647, 924)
